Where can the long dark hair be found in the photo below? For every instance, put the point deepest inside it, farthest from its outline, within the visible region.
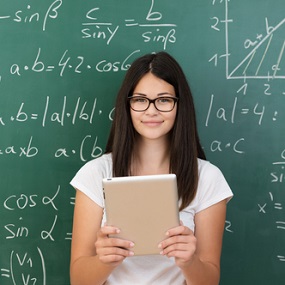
(185, 146)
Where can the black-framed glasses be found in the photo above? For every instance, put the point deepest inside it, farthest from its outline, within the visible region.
(162, 104)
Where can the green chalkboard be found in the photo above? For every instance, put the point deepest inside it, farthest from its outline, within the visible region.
(61, 64)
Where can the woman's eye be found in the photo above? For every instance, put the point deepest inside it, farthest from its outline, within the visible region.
(139, 100)
(165, 100)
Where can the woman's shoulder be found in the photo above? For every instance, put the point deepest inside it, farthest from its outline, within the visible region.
(107, 157)
(100, 165)
(101, 160)
(210, 174)
(207, 168)
(89, 177)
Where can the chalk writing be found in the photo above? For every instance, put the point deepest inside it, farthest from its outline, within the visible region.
(228, 226)
(262, 208)
(102, 30)
(86, 151)
(219, 146)
(22, 266)
(281, 258)
(273, 203)
(278, 176)
(75, 64)
(24, 201)
(88, 148)
(81, 110)
(254, 62)
(29, 150)
(48, 234)
(98, 30)
(29, 15)
(229, 113)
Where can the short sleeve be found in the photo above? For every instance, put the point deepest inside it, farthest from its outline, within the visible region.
(212, 186)
(89, 178)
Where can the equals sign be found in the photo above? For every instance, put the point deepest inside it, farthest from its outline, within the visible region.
(50, 68)
(34, 116)
(72, 201)
(281, 257)
(280, 225)
(6, 273)
(278, 206)
(130, 23)
(68, 236)
(244, 111)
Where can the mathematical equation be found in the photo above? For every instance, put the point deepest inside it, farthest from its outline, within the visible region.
(88, 148)
(24, 268)
(66, 63)
(229, 114)
(273, 203)
(26, 265)
(237, 112)
(162, 32)
(81, 110)
(155, 31)
(24, 202)
(27, 15)
(76, 65)
(94, 25)
(279, 223)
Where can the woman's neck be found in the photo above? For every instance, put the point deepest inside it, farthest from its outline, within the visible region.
(151, 157)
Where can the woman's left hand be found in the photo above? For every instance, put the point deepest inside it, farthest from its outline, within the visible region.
(180, 243)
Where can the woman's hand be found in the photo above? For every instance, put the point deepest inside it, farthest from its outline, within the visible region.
(180, 244)
(110, 250)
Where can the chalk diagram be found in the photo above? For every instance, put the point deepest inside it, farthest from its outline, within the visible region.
(265, 58)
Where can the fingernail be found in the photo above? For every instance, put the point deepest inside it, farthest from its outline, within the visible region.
(160, 245)
(132, 244)
(131, 253)
(117, 231)
(167, 233)
(161, 253)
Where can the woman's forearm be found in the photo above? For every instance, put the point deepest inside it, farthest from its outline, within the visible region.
(201, 272)
(89, 270)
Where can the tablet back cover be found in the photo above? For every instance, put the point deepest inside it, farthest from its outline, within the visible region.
(143, 208)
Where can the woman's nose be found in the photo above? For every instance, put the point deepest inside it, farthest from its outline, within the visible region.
(151, 109)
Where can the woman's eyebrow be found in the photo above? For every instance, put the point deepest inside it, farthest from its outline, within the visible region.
(159, 94)
(141, 94)
(164, 93)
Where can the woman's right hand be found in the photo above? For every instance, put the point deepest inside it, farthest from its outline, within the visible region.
(111, 250)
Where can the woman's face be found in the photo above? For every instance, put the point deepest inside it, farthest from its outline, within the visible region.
(152, 124)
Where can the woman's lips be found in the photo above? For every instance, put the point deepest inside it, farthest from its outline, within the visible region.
(152, 123)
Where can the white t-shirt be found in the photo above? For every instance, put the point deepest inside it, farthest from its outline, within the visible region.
(152, 269)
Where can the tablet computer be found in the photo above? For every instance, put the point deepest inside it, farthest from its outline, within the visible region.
(143, 208)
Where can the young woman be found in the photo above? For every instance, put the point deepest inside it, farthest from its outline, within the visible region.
(153, 132)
